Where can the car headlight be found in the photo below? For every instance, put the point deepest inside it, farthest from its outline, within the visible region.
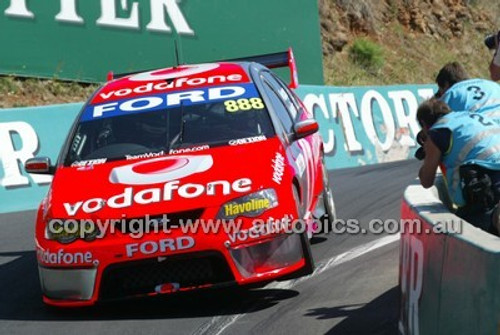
(267, 256)
(251, 205)
(68, 231)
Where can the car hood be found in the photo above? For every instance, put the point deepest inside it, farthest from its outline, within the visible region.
(166, 184)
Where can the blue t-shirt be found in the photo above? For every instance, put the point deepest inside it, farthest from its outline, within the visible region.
(473, 95)
(441, 137)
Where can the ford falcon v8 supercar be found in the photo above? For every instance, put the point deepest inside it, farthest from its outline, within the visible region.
(183, 178)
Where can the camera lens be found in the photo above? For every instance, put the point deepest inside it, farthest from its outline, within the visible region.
(421, 137)
(489, 41)
(420, 154)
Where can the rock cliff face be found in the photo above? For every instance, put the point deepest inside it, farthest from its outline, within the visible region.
(454, 24)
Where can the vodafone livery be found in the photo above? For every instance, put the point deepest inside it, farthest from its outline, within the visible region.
(170, 180)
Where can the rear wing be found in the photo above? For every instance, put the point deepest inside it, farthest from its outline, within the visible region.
(272, 61)
(275, 60)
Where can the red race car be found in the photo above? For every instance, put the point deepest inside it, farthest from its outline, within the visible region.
(183, 178)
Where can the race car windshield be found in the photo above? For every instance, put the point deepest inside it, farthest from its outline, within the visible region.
(164, 131)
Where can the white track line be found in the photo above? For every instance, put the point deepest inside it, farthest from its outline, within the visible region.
(218, 324)
(7, 259)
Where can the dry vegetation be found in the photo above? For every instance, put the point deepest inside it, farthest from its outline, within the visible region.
(21, 92)
(365, 42)
(408, 40)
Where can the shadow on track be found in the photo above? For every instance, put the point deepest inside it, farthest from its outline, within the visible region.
(318, 239)
(20, 299)
(379, 316)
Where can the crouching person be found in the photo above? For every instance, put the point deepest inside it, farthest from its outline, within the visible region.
(467, 147)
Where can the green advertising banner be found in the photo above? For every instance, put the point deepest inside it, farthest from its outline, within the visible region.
(84, 39)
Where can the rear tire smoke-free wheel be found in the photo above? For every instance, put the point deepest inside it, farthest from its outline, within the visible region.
(330, 213)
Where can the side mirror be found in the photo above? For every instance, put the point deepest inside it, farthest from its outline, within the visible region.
(39, 165)
(305, 128)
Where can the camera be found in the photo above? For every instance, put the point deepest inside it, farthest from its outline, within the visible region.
(421, 137)
(489, 41)
(420, 153)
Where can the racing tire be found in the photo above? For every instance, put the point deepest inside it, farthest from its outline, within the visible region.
(328, 219)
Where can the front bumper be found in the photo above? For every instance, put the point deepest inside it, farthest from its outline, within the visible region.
(111, 277)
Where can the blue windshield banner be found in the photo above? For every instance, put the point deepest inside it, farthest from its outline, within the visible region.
(171, 100)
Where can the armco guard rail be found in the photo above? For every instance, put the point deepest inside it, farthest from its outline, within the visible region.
(449, 281)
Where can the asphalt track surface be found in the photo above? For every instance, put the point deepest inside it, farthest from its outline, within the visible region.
(353, 290)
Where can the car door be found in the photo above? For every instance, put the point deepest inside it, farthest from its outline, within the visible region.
(299, 152)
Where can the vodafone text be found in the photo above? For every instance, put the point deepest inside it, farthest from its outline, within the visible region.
(168, 192)
(278, 164)
(174, 84)
(65, 258)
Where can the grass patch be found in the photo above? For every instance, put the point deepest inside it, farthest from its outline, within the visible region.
(8, 85)
(409, 58)
(21, 92)
(367, 54)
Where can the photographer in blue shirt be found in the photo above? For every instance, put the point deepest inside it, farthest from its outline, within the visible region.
(464, 94)
(467, 146)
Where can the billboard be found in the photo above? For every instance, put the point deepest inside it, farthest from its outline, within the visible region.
(84, 39)
(366, 125)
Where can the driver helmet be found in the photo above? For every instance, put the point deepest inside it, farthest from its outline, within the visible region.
(152, 127)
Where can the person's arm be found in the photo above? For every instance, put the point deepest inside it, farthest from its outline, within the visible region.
(495, 62)
(427, 172)
(494, 71)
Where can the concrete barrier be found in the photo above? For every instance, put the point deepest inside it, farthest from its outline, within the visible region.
(449, 270)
